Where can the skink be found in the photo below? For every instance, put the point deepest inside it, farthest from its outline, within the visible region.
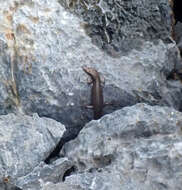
(96, 92)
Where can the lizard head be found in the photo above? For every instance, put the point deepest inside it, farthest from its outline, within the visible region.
(91, 72)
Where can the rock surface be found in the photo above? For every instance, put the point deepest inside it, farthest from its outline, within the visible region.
(138, 147)
(61, 186)
(45, 47)
(177, 35)
(25, 142)
(44, 173)
(118, 26)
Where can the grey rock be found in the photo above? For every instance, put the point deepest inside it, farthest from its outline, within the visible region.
(61, 186)
(178, 32)
(98, 180)
(8, 186)
(7, 102)
(25, 142)
(118, 26)
(138, 147)
(42, 49)
(178, 35)
(41, 64)
(43, 174)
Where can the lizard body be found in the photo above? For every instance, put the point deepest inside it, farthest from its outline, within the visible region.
(96, 92)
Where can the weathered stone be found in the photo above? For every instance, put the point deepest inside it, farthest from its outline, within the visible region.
(178, 35)
(25, 142)
(119, 26)
(8, 186)
(61, 186)
(43, 47)
(44, 173)
(46, 46)
(138, 147)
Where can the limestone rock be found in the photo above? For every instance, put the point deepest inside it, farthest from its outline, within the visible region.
(43, 174)
(138, 147)
(44, 47)
(25, 142)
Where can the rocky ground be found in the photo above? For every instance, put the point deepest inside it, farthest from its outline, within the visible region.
(48, 138)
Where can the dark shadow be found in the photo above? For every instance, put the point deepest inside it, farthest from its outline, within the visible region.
(68, 172)
(177, 10)
(66, 137)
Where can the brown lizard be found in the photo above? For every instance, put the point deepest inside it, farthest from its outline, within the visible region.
(96, 94)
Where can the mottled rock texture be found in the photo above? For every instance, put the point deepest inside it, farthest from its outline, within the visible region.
(118, 26)
(44, 173)
(178, 35)
(43, 47)
(61, 186)
(138, 147)
(25, 142)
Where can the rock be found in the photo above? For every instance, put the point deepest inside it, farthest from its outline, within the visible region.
(43, 46)
(61, 186)
(25, 142)
(46, 46)
(178, 35)
(177, 31)
(137, 147)
(8, 186)
(99, 180)
(44, 173)
(118, 26)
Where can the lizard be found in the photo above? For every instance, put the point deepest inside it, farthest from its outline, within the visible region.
(97, 101)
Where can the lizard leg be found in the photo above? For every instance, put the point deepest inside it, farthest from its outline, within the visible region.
(89, 81)
(102, 79)
(89, 107)
(109, 104)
